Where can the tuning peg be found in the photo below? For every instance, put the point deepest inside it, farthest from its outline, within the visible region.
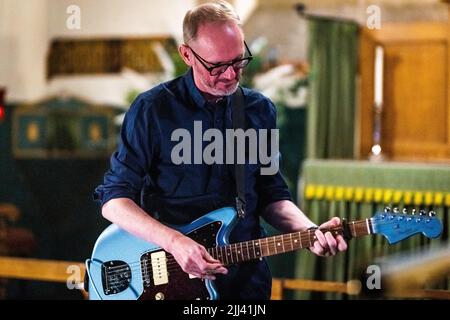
(413, 211)
(387, 209)
(422, 212)
(432, 213)
(396, 210)
(405, 211)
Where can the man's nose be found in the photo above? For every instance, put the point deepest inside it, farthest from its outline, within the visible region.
(229, 73)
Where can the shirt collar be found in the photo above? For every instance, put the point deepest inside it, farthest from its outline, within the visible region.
(193, 91)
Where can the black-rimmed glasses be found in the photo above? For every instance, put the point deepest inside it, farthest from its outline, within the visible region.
(220, 68)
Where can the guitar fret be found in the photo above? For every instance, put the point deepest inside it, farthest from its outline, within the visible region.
(239, 251)
(230, 253)
(290, 241)
(294, 241)
(224, 254)
(254, 252)
(282, 243)
(274, 244)
(248, 252)
(268, 248)
(309, 238)
(242, 252)
(236, 250)
(233, 253)
(299, 240)
(368, 227)
(353, 225)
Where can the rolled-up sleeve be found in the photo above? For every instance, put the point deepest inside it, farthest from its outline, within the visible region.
(132, 160)
(272, 187)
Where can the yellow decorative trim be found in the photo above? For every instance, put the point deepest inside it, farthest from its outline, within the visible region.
(339, 193)
(349, 191)
(438, 198)
(407, 199)
(387, 196)
(368, 195)
(320, 192)
(398, 195)
(428, 198)
(447, 200)
(359, 194)
(377, 195)
(329, 193)
(310, 192)
(418, 198)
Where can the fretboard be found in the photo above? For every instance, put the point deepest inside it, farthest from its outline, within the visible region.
(255, 249)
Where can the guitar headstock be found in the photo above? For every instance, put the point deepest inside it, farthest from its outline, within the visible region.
(397, 226)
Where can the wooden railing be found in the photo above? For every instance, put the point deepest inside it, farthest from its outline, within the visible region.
(37, 269)
(351, 288)
(69, 272)
(279, 287)
(72, 273)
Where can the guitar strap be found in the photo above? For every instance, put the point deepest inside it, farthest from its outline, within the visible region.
(239, 169)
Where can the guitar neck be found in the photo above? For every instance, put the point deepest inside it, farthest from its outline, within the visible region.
(255, 249)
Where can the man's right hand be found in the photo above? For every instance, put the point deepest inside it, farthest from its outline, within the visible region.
(193, 258)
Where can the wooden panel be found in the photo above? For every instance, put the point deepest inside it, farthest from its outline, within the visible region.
(416, 110)
(415, 93)
(98, 56)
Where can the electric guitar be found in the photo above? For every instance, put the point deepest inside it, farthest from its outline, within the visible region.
(124, 267)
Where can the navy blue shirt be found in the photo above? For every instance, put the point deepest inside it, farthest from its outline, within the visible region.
(142, 168)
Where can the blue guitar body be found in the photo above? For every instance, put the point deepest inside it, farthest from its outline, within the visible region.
(124, 267)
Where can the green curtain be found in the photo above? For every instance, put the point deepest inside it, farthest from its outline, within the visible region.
(331, 106)
(325, 189)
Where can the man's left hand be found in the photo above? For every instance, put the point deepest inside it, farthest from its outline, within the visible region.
(326, 244)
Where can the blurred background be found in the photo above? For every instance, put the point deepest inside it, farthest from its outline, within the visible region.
(362, 90)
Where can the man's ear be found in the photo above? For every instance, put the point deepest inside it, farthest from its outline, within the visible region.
(185, 54)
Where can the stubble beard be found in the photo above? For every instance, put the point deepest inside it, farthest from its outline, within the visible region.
(218, 92)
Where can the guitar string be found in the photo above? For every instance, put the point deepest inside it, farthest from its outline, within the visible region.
(118, 282)
(172, 265)
(178, 269)
(271, 241)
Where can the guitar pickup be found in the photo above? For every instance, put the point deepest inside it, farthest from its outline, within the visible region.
(159, 268)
